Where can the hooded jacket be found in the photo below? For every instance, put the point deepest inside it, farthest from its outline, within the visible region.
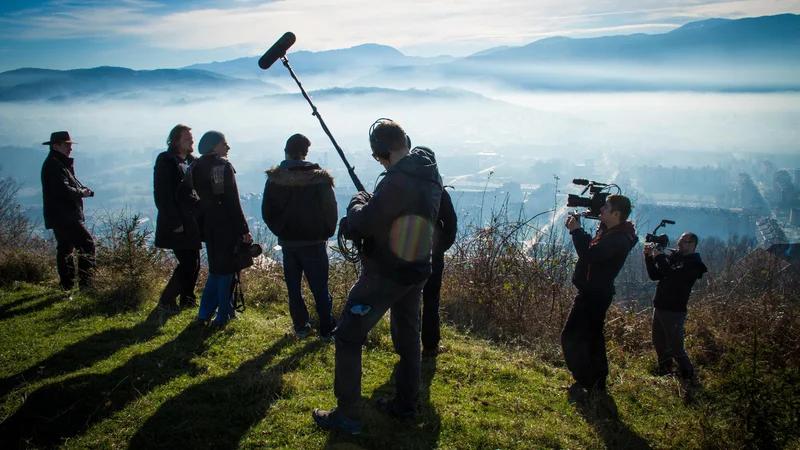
(676, 275)
(398, 220)
(299, 205)
(601, 259)
(224, 224)
(444, 233)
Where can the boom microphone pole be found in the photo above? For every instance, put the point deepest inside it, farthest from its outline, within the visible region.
(278, 51)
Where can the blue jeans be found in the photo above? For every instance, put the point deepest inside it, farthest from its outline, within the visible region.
(313, 261)
(217, 297)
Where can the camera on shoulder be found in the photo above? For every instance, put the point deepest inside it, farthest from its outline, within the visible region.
(598, 192)
(659, 241)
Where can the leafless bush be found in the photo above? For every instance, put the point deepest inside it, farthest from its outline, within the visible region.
(127, 263)
(263, 282)
(24, 255)
(509, 279)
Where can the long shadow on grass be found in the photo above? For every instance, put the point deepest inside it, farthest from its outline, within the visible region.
(59, 411)
(217, 413)
(85, 353)
(421, 433)
(602, 414)
(22, 300)
(8, 311)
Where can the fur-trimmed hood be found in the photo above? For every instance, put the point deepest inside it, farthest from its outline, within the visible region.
(299, 176)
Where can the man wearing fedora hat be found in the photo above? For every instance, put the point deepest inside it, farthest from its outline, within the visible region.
(63, 197)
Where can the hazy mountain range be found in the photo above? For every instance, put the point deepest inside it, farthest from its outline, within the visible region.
(744, 55)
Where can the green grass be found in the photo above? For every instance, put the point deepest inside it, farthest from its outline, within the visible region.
(74, 376)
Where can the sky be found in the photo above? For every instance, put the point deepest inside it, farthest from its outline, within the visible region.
(150, 34)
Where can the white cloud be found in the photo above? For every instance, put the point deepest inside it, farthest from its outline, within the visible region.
(324, 24)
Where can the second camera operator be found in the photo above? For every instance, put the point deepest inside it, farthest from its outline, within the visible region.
(676, 275)
(600, 260)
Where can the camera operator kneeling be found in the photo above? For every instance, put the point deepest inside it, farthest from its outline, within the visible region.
(676, 275)
(600, 260)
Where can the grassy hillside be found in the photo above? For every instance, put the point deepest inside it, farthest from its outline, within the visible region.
(74, 376)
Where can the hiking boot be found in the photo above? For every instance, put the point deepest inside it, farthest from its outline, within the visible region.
(390, 407)
(434, 352)
(333, 419)
(577, 394)
(188, 302)
(662, 370)
(169, 308)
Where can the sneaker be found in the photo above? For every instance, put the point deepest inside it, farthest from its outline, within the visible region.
(433, 352)
(333, 419)
(390, 407)
(304, 332)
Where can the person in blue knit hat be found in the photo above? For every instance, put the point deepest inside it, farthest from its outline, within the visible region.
(224, 228)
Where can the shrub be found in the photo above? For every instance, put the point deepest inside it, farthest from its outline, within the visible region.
(24, 256)
(127, 264)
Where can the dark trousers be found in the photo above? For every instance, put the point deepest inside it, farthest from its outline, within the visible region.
(668, 335)
(183, 279)
(368, 301)
(583, 342)
(313, 261)
(69, 238)
(431, 296)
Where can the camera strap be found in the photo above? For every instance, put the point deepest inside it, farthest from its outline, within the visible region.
(238, 294)
(71, 174)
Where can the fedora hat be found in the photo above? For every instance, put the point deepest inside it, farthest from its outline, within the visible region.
(58, 137)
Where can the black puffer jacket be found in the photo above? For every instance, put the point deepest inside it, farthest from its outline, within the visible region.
(444, 234)
(676, 275)
(398, 219)
(61, 192)
(212, 177)
(601, 259)
(299, 205)
(175, 212)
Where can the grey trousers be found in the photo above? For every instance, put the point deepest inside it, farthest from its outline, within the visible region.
(668, 335)
(369, 299)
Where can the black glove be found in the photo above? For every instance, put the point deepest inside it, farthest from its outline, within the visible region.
(360, 198)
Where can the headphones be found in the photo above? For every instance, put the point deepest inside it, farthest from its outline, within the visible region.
(381, 149)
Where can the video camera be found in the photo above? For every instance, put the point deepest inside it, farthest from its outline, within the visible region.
(660, 241)
(598, 192)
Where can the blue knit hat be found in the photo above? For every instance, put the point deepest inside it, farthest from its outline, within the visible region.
(209, 141)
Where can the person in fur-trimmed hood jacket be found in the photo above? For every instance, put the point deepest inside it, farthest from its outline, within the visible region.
(299, 207)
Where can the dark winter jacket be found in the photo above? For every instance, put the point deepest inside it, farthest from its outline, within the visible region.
(61, 192)
(299, 205)
(224, 224)
(676, 275)
(601, 259)
(173, 212)
(397, 221)
(444, 233)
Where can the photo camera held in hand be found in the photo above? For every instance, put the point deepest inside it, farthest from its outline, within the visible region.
(598, 192)
(659, 241)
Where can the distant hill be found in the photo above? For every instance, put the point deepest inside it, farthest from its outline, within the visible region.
(345, 64)
(116, 83)
(754, 54)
